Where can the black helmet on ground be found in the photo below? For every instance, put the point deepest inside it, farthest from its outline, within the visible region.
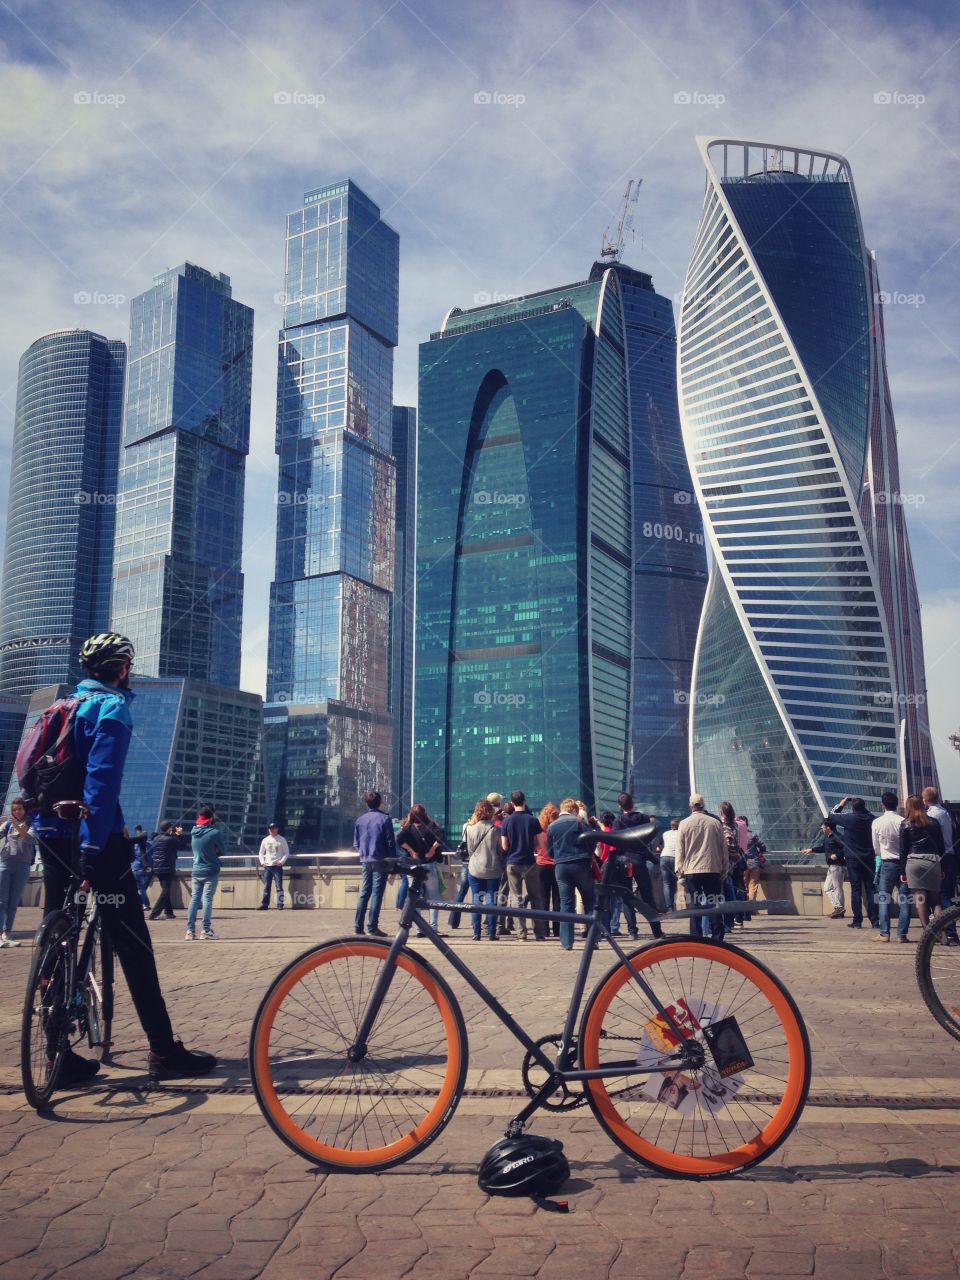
(529, 1165)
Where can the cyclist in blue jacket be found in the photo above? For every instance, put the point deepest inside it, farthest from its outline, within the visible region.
(102, 733)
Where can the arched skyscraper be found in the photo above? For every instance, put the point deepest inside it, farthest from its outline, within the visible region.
(794, 700)
(524, 553)
(60, 521)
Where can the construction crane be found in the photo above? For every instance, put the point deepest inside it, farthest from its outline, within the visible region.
(613, 246)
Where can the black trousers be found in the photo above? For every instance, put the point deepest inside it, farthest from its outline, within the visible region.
(863, 899)
(123, 921)
(163, 905)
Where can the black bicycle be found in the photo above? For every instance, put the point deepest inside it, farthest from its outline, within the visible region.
(691, 1055)
(69, 997)
(938, 970)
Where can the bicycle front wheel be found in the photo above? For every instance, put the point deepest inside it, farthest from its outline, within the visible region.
(740, 1103)
(364, 1115)
(46, 1021)
(938, 971)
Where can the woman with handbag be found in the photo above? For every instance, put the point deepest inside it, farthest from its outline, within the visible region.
(18, 848)
(921, 858)
(422, 839)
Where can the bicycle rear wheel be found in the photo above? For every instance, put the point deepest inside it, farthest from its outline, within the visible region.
(938, 971)
(713, 1120)
(45, 1025)
(357, 1116)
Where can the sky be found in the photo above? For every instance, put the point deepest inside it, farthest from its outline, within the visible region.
(497, 139)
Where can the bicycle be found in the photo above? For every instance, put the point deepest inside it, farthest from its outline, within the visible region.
(691, 1055)
(938, 971)
(69, 994)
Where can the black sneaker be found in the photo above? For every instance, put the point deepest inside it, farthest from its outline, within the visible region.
(181, 1064)
(358, 932)
(376, 933)
(854, 924)
(77, 1070)
(263, 907)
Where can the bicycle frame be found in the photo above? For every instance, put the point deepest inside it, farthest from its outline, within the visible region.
(557, 1072)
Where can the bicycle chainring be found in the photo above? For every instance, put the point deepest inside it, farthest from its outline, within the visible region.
(566, 1097)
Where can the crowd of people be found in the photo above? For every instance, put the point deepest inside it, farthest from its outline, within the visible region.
(511, 857)
(891, 859)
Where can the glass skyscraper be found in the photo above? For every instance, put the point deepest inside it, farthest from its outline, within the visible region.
(178, 588)
(328, 681)
(882, 511)
(670, 559)
(794, 696)
(402, 621)
(60, 518)
(524, 553)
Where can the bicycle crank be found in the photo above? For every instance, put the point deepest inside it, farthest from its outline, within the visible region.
(566, 1096)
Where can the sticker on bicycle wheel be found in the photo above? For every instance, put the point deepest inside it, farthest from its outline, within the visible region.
(661, 1033)
(728, 1047)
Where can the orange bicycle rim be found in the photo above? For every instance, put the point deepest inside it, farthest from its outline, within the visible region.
(778, 1124)
(284, 1122)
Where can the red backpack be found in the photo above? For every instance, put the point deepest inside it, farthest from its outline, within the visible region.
(47, 766)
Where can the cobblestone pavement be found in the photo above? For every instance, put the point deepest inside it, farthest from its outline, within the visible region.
(177, 1183)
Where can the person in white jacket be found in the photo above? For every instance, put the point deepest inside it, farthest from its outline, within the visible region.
(274, 851)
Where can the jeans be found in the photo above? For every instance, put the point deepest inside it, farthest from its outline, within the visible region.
(571, 876)
(462, 890)
(14, 874)
(549, 894)
(431, 889)
(668, 875)
(888, 880)
(272, 876)
(163, 904)
(948, 887)
(860, 875)
(202, 888)
(143, 879)
(484, 891)
(373, 881)
(525, 877)
(617, 903)
(641, 873)
(697, 888)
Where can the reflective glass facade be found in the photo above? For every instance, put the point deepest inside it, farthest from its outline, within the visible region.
(774, 377)
(524, 553)
(670, 558)
(62, 508)
(13, 711)
(329, 658)
(192, 744)
(884, 519)
(402, 618)
(178, 588)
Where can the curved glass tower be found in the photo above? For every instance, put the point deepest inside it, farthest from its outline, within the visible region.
(60, 519)
(524, 553)
(794, 695)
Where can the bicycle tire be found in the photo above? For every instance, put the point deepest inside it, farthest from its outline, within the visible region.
(933, 962)
(408, 1087)
(728, 1132)
(46, 1016)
